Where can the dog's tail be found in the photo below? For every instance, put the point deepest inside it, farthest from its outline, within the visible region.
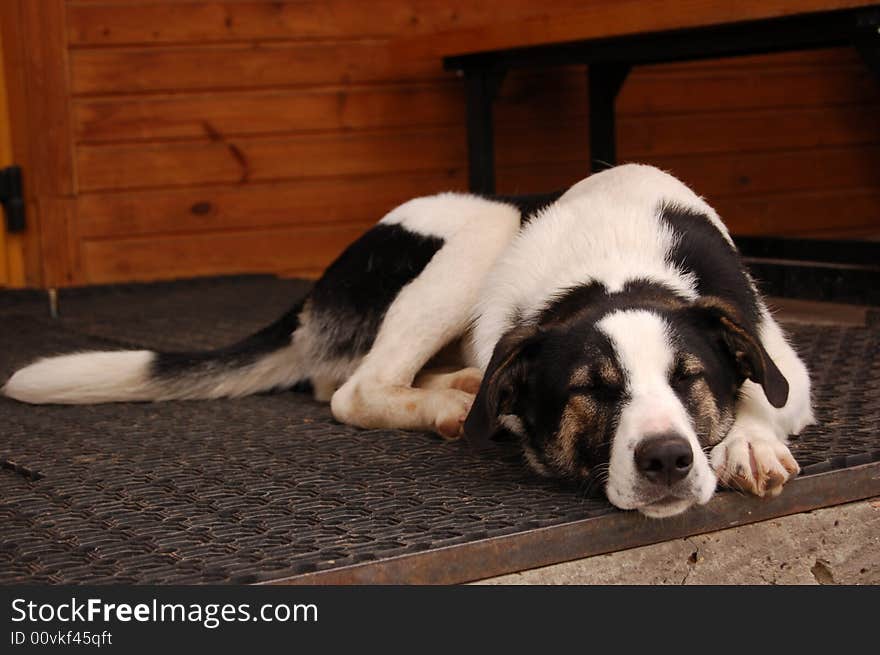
(266, 360)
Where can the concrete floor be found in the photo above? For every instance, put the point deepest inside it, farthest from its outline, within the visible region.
(836, 545)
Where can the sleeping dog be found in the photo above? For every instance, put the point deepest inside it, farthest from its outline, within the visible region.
(615, 333)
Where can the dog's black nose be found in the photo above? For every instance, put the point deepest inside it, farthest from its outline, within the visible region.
(664, 458)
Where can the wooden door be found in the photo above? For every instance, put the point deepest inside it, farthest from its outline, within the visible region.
(5, 160)
(35, 135)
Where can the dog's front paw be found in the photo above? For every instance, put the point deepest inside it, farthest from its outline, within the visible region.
(452, 409)
(757, 463)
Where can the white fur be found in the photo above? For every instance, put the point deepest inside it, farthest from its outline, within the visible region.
(446, 215)
(645, 352)
(435, 307)
(645, 186)
(124, 376)
(604, 228)
(427, 314)
(82, 378)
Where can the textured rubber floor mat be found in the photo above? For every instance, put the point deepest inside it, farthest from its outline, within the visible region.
(267, 487)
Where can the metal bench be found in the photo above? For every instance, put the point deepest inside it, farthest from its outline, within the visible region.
(610, 38)
(483, 57)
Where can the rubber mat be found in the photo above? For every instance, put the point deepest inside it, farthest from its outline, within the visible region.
(270, 487)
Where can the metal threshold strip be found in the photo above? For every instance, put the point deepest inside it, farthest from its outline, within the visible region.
(602, 534)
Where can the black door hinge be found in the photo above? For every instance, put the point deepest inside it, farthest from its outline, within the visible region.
(12, 198)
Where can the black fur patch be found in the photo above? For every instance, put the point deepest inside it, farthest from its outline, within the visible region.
(702, 250)
(349, 302)
(269, 339)
(574, 301)
(590, 302)
(551, 389)
(716, 369)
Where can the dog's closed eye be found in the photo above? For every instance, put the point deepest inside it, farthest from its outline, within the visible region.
(601, 380)
(686, 371)
(598, 388)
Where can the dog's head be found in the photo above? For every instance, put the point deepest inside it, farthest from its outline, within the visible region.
(637, 394)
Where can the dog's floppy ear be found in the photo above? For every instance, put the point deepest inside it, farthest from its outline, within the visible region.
(505, 375)
(752, 361)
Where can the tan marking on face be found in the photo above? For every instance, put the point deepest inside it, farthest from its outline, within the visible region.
(602, 369)
(690, 364)
(706, 416)
(609, 373)
(581, 377)
(578, 418)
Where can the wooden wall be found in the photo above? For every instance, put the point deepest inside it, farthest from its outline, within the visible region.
(231, 136)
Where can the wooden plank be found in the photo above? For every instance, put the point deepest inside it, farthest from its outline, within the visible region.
(200, 22)
(742, 131)
(365, 200)
(263, 112)
(653, 92)
(133, 166)
(658, 90)
(768, 172)
(600, 19)
(525, 99)
(531, 97)
(306, 249)
(333, 200)
(265, 158)
(664, 140)
(302, 202)
(219, 67)
(830, 213)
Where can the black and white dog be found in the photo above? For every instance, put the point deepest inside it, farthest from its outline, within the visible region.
(614, 332)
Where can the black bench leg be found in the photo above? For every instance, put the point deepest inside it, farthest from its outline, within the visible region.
(605, 82)
(481, 88)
